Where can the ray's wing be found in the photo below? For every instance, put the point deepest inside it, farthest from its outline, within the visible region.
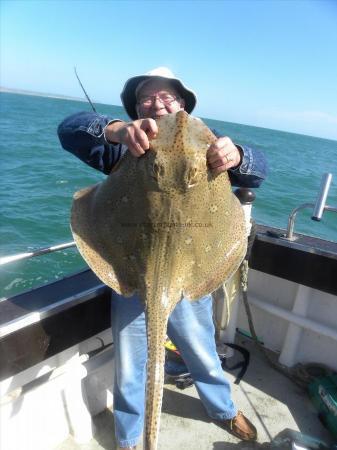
(218, 246)
(105, 222)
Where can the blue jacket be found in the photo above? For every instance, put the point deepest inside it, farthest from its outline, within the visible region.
(82, 134)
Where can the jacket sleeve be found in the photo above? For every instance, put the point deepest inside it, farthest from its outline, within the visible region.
(83, 135)
(252, 170)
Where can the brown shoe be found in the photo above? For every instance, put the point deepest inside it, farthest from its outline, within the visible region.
(241, 427)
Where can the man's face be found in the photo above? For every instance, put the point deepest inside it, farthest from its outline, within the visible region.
(158, 98)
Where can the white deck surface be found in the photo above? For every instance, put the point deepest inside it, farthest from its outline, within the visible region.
(271, 401)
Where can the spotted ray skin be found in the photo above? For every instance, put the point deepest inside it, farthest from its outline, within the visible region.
(162, 226)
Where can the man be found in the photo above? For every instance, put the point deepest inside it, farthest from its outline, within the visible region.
(100, 142)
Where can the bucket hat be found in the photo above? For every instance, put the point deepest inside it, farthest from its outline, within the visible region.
(128, 95)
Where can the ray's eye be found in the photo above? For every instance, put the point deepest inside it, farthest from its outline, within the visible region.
(157, 171)
(193, 176)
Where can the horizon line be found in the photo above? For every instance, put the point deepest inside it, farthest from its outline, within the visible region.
(84, 100)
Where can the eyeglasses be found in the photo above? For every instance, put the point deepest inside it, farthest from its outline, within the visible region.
(148, 100)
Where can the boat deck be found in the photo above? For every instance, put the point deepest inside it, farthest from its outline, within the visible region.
(270, 400)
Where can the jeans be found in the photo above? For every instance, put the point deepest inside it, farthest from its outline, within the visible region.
(191, 328)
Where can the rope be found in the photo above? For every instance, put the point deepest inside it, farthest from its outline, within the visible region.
(244, 286)
(300, 374)
(225, 291)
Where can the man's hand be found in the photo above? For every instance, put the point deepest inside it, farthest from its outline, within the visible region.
(223, 155)
(135, 135)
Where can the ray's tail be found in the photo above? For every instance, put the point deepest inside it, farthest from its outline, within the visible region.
(161, 298)
(156, 335)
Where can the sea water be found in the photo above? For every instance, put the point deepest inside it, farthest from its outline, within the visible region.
(38, 180)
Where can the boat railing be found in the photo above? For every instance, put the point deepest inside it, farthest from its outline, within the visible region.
(42, 251)
(318, 207)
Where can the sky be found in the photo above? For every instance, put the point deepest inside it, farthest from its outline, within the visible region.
(271, 64)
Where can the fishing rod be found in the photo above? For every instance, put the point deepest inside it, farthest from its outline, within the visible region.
(85, 92)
